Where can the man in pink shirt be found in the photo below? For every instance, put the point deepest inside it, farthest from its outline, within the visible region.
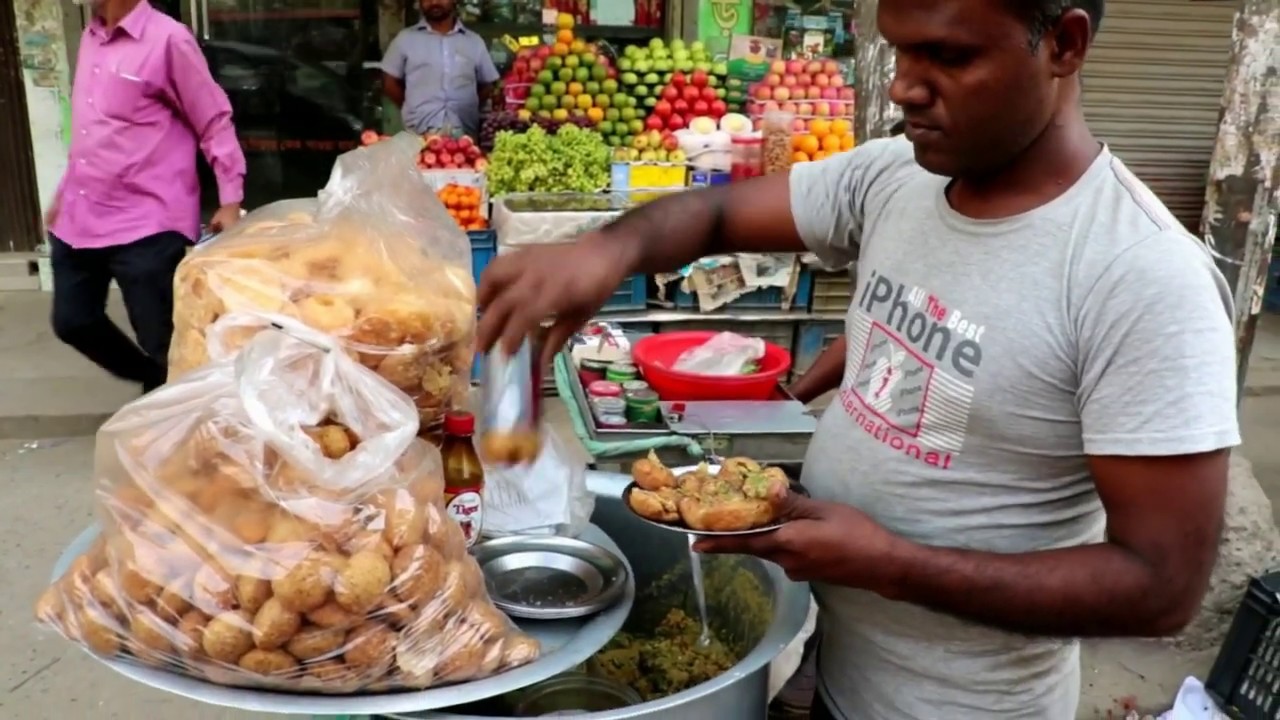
(129, 205)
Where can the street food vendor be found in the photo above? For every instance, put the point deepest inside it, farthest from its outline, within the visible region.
(1032, 435)
(438, 72)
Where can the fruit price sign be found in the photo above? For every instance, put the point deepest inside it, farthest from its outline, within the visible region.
(720, 20)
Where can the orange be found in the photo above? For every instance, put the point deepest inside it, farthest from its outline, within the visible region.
(795, 141)
(821, 155)
(808, 145)
(564, 36)
(846, 142)
(799, 157)
(820, 127)
(841, 126)
(560, 49)
(831, 143)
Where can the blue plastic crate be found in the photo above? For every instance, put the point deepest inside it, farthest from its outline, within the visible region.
(762, 299)
(632, 294)
(484, 245)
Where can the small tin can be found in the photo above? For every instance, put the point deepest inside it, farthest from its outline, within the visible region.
(633, 386)
(611, 421)
(604, 388)
(621, 372)
(511, 407)
(592, 370)
(609, 406)
(643, 407)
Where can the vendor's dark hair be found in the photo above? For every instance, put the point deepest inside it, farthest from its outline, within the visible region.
(1041, 15)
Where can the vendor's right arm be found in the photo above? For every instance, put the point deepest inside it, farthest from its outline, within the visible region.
(394, 68)
(770, 214)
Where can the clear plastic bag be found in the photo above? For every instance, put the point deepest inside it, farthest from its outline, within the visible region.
(375, 260)
(272, 521)
(724, 354)
(546, 497)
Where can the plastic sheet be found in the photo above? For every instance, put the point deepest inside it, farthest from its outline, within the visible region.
(272, 521)
(375, 260)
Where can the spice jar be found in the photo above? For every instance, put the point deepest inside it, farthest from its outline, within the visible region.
(776, 147)
(642, 407)
(621, 372)
(748, 157)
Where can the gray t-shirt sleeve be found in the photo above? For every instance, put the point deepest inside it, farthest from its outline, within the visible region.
(396, 60)
(829, 197)
(1157, 356)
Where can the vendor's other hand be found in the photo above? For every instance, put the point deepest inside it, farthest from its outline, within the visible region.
(820, 542)
(567, 282)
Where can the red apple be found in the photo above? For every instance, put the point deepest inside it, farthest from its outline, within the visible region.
(653, 122)
(465, 142)
(536, 65)
(669, 141)
(789, 81)
(821, 80)
(435, 144)
(691, 93)
(830, 67)
(671, 93)
(804, 109)
(459, 159)
(846, 93)
(771, 106)
(481, 164)
(449, 166)
(782, 93)
(680, 107)
(718, 108)
(830, 93)
(429, 159)
(813, 92)
(612, 74)
(543, 51)
(701, 107)
(795, 67)
(778, 67)
(836, 81)
(368, 137)
(709, 94)
(798, 126)
(678, 79)
(763, 92)
(773, 79)
(822, 109)
(813, 67)
(451, 146)
(699, 78)
(662, 109)
(789, 107)
(472, 152)
(803, 81)
(676, 122)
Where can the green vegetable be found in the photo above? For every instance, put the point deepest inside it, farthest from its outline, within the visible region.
(572, 160)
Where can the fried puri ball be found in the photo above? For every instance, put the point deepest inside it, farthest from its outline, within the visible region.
(313, 643)
(306, 585)
(650, 474)
(518, 649)
(405, 520)
(333, 440)
(419, 572)
(274, 625)
(191, 631)
(514, 447)
(331, 615)
(362, 582)
(268, 662)
(228, 636)
(371, 645)
(659, 505)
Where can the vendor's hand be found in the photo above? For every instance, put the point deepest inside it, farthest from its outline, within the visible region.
(568, 282)
(226, 216)
(51, 215)
(823, 542)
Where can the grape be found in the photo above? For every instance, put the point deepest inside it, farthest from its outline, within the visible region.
(569, 159)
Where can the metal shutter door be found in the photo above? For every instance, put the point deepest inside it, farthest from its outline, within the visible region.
(1153, 88)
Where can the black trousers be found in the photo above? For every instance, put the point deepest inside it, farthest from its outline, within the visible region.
(144, 271)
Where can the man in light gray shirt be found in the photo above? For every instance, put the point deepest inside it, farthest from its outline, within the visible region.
(1031, 438)
(438, 72)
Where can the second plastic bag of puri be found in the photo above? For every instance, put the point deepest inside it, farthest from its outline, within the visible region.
(374, 260)
(273, 521)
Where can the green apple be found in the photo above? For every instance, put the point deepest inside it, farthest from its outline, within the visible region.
(713, 81)
(553, 62)
(640, 91)
(565, 74)
(546, 77)
(587, 59)
(620, 100)
(636, 126)
(605, 127)
(599, 73)
(628, 114)
(568, 102)
(720, 68)
(550, 102)
(656, 43)
(650, 101)
(558, 88)
(609, 85)
(537, 91)
(629, 78)
(624, 63)
(532, 104)
(591, 87)
(572, 61)
(601, 101)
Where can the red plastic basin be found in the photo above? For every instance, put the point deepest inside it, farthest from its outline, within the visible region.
(655, 355)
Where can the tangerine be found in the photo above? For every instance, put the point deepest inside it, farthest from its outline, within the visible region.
(799, 157)
(841, 126)
(808, 145)
(820, 127)
(821, 155)
(564, 36)
(560, 49)
(831, 143)
(846, 142)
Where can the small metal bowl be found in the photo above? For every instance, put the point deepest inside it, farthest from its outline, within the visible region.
(550, 578)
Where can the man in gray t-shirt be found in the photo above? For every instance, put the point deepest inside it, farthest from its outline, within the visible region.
(1031, 438)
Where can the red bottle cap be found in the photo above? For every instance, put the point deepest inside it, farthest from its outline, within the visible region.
(459, 423)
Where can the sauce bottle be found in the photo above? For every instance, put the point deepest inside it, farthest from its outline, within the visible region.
(463, 475)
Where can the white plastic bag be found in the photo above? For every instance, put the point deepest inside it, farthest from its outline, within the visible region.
(547, 497)
(724, 354)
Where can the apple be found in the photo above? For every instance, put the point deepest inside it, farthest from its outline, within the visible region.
(798, 126)
(718, 108)
(846, 93)
(699, 78)
(435, 144)
(813, 67)
(459, 159)
(830, 93)
(368, 137)
(680, 107)
(773, 79)
(813, 92)
(653, 122)
(804, 109)
(803, 81)
(771, 106)
(822, 109)
(691, 94)
(481, 164)
(428, 159)
(472, 152)
(789, 107)
(669, 142)
(671, 93)
(543, 52)
(789, 81)
(709, 94)
(821, 80)
(662, 109)
(795, 67)
(451, 146)
(678, 79)
(465, 142)
(676, 122)
(836, 81)
(701, 108)
(830, 67)
(778, 67)
(782, 93)
(763, 92)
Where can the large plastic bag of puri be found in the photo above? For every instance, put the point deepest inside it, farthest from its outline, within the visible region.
(375, 260)
(273, 521)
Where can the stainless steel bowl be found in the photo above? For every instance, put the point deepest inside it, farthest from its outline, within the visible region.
(742, 692)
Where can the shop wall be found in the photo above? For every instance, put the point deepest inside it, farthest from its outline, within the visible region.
(42, 43)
